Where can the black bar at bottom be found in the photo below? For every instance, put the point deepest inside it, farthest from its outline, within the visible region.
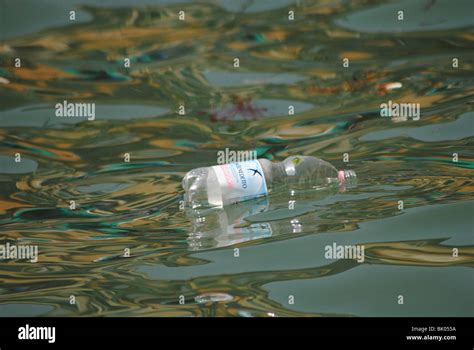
(85, 331)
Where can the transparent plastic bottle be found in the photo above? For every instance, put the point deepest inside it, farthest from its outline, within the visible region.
(225, 184)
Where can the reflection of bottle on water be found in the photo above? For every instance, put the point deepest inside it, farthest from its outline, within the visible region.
(235, 182)
(254, 219)
(227, 226)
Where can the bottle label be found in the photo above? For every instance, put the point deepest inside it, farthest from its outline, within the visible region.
(241, 181)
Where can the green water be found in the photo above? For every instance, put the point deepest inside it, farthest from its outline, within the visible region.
(281, 268)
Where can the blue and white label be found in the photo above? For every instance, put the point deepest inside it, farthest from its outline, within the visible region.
(241, 181)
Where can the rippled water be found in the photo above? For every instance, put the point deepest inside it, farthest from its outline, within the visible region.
(135, 206)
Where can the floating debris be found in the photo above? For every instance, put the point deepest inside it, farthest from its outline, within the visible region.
(385, 87)
(213, 298)
(241, 109)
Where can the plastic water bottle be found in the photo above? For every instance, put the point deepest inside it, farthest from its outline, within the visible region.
(225, 184)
